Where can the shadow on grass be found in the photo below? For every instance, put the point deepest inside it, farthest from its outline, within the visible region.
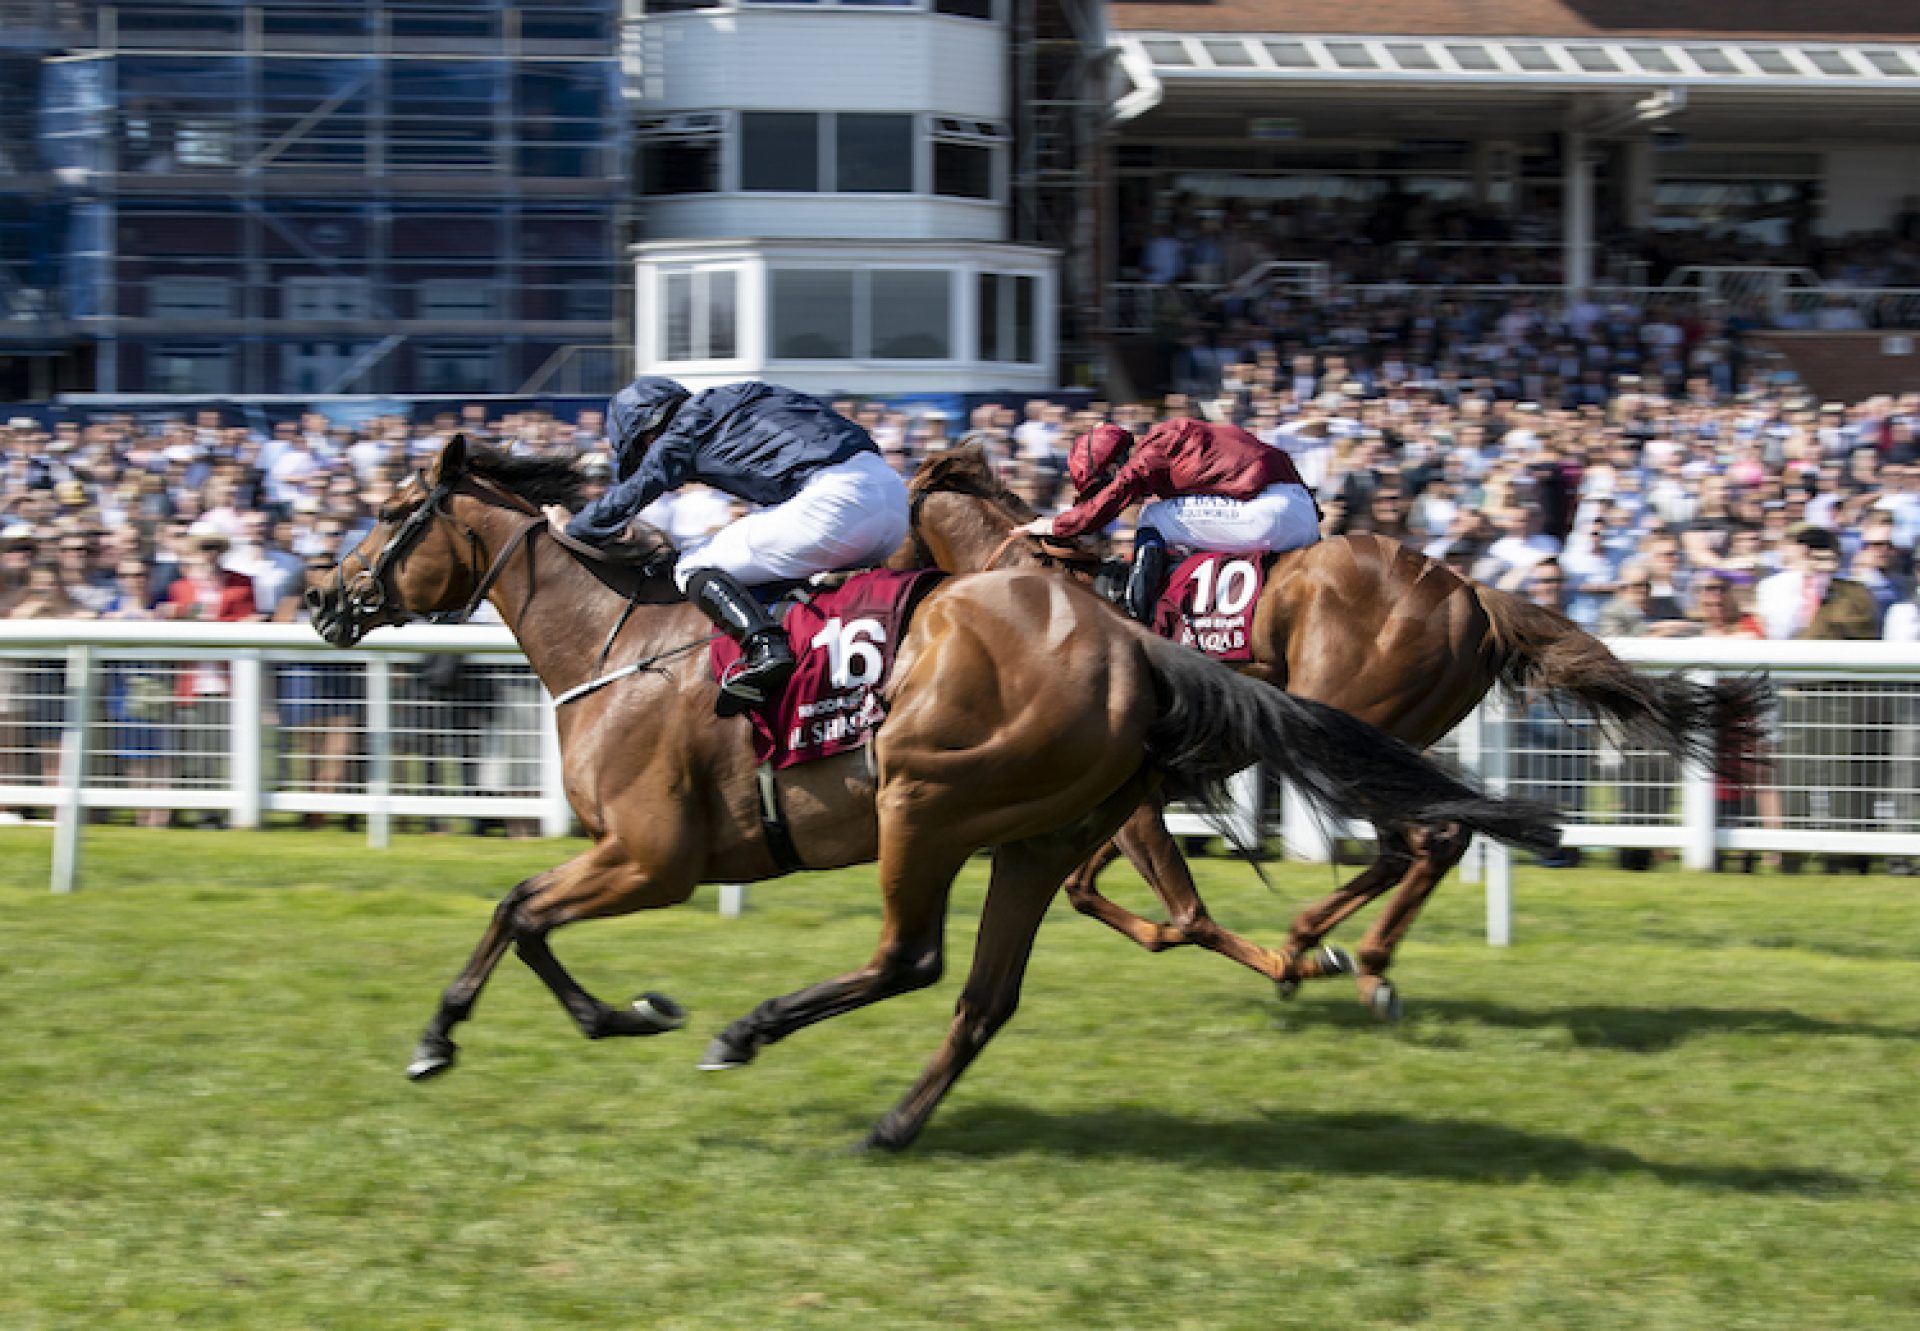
(1368, 1144)
(1634, 1030)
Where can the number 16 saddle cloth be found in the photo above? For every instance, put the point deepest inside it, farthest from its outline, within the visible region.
(845, 638)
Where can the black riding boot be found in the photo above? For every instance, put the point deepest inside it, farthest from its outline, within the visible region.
(1148, 575)
(767, 659)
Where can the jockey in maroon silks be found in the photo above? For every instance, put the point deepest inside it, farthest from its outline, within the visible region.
(1214, 487)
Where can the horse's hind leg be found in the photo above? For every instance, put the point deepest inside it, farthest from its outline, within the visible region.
(914, 879)
(1435, 851)
(1308, 958)
(1025, 877)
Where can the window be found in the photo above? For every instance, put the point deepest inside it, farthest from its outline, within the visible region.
(456, 369)
(192, 370)
(872, 314)
(454, 298)
(698, 315)
(910, 314)
(1006, 317)
(812, 314)
(190, 298)
(318, 367)
(965, 156)
(324, 298)
(680, 154)
(981, 9)
(562, 117)
(874, 153)
(780, 150)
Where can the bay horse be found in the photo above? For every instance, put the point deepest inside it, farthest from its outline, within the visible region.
(1023, 717)
(1385, 634)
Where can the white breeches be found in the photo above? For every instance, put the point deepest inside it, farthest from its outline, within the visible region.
(847, 515)
(1281, 517)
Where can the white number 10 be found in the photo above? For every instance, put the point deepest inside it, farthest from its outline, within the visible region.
(853, 650)
(1235, 589)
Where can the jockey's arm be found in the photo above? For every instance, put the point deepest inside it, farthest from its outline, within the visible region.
(667, 466)
(1129, 485)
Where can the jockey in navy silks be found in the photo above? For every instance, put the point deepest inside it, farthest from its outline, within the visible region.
(828, 501)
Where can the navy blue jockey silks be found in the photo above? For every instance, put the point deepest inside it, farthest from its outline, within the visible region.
(755, 441)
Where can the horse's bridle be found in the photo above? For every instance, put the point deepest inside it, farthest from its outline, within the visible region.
(367, 592)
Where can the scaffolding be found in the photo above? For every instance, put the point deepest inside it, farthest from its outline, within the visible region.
(328, 196)
(1059, 55)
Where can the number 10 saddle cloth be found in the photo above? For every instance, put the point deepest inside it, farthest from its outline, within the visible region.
(845, 638)
(1209, 603)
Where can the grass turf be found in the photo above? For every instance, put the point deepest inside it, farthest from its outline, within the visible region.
(1680, 1101)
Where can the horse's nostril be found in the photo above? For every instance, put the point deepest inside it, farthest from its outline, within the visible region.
(315, 598)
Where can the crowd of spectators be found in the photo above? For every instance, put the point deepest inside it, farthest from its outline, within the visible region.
(1632, 489)
(1423, 240)
(1639, 501)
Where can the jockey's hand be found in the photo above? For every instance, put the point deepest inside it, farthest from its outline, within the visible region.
(1038, 527)
(557, 517)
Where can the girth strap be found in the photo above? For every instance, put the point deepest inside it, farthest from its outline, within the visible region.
(773, 823)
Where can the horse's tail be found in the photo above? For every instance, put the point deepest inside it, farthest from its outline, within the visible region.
(1214, 723)
(1537, 650)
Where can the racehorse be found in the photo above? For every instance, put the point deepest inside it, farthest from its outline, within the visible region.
(1023, 717)
(1369, 626)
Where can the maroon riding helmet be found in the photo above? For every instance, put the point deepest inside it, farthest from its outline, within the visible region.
(1096, 456)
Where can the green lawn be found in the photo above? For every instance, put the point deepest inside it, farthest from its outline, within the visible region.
(1680, 1101)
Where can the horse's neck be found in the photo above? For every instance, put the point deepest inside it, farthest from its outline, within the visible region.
(560, 613)
(974, 530)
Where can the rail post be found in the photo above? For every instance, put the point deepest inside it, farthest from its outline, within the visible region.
(1494, 742)
(70, 813)
(243, 738)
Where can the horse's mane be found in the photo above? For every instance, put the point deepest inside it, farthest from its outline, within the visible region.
(965, 470)
(538, 480)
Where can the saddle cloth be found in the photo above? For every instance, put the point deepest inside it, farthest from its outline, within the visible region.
(845, 638)
(1209, 602)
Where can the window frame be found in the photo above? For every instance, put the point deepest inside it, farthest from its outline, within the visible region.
(861, 349)
(700, 279)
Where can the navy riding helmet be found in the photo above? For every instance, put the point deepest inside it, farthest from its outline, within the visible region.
(636, 411)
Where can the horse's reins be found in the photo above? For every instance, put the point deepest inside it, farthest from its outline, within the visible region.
(367, 592)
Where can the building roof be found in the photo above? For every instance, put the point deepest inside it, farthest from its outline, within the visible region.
(1713, 20)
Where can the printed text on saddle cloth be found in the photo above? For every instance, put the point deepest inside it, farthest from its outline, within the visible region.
(845, 638)
(1209, 604)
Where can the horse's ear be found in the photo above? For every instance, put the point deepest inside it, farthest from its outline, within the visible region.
(451, 462)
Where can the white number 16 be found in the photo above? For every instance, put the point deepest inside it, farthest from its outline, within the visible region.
(853, 650)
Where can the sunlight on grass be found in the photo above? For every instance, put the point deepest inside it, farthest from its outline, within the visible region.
(1680, 1101)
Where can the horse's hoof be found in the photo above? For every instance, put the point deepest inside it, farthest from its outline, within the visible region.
(1384, 1003)
(1287, 989)
(660, 1012)
(723, 1054)
(885, 1137)
(431, 1057)
(1332, 961)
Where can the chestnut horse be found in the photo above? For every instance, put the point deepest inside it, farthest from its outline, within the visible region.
(1364, 624)
(1024, 718)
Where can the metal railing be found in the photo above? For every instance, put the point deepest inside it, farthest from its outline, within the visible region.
(241, 721)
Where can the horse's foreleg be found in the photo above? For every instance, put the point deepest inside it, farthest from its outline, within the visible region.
(1083, 893)
(1152, 851)
(435, 1052)
(598, 883)
(602, 883)
(1435, 851)
(914, 881)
